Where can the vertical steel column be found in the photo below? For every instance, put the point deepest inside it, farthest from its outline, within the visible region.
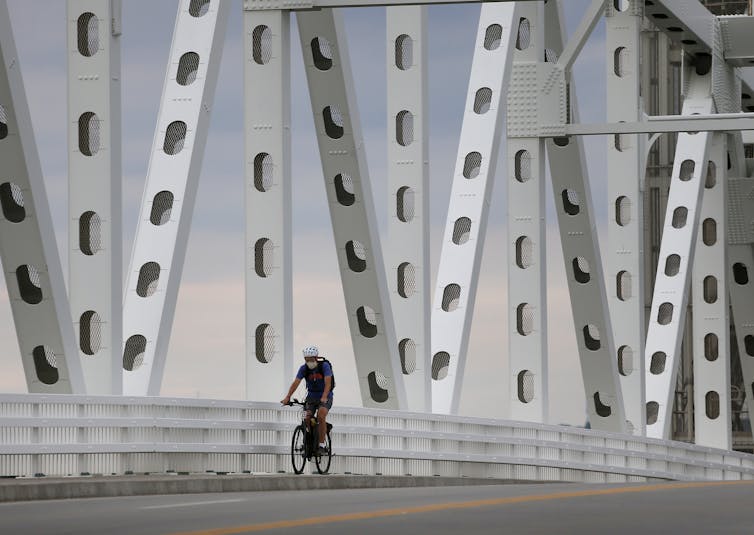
(461, 255)
(670, 299)
(269, 314)
(164, 222)
(625, 232)
(354, 221)
(407, 252)
(711, 322)
(527, 228)
(581, 253)
(28, 250)
(95, 257)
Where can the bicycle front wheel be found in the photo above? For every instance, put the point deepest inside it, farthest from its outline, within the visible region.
(323, 461)
(298, 449)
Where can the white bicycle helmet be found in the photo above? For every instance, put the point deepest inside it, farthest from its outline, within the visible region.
(311, 351)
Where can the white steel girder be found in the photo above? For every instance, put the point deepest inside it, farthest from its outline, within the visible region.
(739, 238)
(269, 314)
(527, 229)
(461, 254)
(625, 231)
(167, 206)
(670, 296)
(711, 322)
(28, 250)
(95, 257)
(407, 251)
(349, 193)
(581, 253)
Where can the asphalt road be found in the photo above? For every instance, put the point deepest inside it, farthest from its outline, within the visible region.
(668, 508)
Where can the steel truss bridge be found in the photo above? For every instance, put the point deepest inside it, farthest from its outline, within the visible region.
(678, 248)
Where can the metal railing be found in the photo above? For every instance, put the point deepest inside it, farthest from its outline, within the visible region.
(70, 435)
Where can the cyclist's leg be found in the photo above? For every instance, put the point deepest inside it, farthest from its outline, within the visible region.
(322, 420)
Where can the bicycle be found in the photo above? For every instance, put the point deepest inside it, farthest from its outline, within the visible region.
(305, 443)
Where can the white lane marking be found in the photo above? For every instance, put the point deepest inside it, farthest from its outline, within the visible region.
(189, 504)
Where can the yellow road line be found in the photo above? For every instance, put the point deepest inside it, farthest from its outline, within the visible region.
(365, 515)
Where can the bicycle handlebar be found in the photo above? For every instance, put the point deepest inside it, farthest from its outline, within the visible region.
(294, 401)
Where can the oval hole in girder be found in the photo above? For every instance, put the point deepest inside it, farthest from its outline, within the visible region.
(404, 52)
(711, 178)
(87, 34)
(133, 352)
(665, 313)
(188, 67)
(198, 8)
(149, 277)
(482, 100)
(525, 386)
(592, 337)
(90, 233)
(378, 387)
(687, 170)
(625, 361)
(356, 256)
(367, 321)
(680, 215)
(404, 128)
(709, 289)
(672, 265)
(749, 345)
(90, 332)
(600, 407)
(45, 365)
(406, 279)
(709, 232)
(89, 134)
(405, 204)
(264, 260)
(711, 349)
(571, 202)
(451, 296)
(321, 53)
(175, 137)
(264, 343)
(12, 202)
(440, 365)
(3, 123)
(333, 121)
(493, 36)
(712, 404)
(461, 230)
(581, 270)
(407, 353)
(740, 273)
(653, 411)
(162, 207)
(523, 36)
(622, 210)
(657, 362)
(620, 57)
(344, 191)
(524, 319)
(624, 285)
(263, 172)
(472, 164)
(522, 166)
(524, 252)
(29, 284)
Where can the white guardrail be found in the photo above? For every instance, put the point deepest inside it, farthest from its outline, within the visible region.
(72, 435)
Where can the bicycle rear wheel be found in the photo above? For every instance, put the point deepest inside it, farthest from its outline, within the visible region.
(323, 461)
(298, 449)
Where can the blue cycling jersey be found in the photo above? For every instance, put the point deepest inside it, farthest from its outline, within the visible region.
(315, 381)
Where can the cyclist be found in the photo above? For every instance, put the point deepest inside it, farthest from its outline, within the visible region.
(319, 391)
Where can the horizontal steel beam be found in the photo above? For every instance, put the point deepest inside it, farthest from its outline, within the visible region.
(298, 5)
(727, 122)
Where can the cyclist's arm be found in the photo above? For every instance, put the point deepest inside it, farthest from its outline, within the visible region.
(328, 387)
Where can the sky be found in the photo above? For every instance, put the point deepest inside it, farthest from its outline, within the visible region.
(206, 355)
